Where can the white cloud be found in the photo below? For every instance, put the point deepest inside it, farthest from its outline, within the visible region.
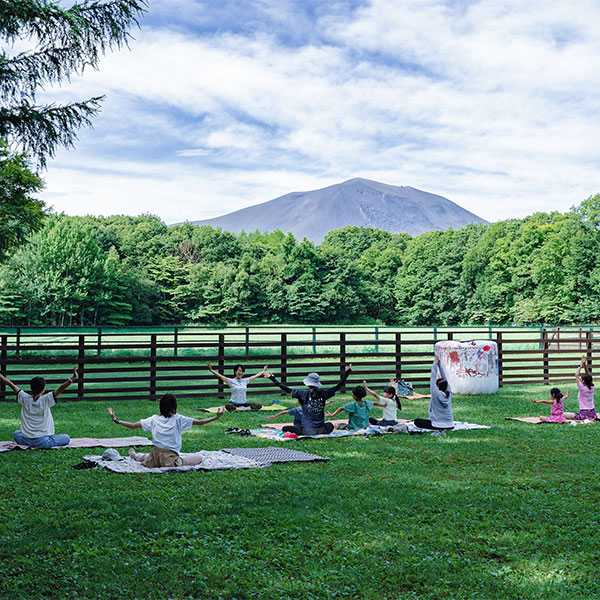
(491, 105)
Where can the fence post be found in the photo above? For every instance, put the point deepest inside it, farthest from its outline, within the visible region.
(490, 332)
(398, 355)
(545, 356)
(314, 339)
(588, 348)
(3, 358)
(221, 361)
(376, 339)
(247, 341)
(284, 359)
(99, 341)
(342, 357)
(175, 340)
(80, 367)
(499, 344)
(450, 335)
(18, 341)
(435, 334)
(153, 367)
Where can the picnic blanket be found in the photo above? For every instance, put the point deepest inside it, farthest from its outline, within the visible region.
(219, 460)
(403, 426)
(118, 442)
(270, 407)
(537, 420)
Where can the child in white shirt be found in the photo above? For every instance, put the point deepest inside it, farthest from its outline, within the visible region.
(166, 431)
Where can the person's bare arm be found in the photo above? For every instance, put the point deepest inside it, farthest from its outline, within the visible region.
(279, 414)
(542, 401)
(9, 383)
(61, 388)
(263, 373)
(221, 377)
(379, 404)
(337, 412)
(371, 392)
(137, 425)
(205, 421)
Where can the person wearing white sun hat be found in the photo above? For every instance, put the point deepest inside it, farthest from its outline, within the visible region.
(312, 401)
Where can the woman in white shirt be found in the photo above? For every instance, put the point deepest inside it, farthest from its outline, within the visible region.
(238, 386)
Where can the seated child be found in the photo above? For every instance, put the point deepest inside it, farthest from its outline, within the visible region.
(166, 431)
(556, 410)
(390, 402)
(37, 424)
(358, 410)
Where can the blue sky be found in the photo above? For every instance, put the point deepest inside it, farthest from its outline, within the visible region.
(221, 105)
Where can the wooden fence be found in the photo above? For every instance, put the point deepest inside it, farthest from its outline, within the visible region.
(146, 364)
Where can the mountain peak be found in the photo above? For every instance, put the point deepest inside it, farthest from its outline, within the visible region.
(357, 201)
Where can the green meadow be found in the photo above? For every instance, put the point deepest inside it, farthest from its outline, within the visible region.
(507, 512)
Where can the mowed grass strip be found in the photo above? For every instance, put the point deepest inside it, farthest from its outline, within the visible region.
(508, 512)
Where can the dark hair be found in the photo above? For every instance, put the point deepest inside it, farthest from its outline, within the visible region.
(587, 380)
(390, 389)
(37, 385)
(359, 392)
(239, 367)
(168, 405)
(556, 393)
(442, 385)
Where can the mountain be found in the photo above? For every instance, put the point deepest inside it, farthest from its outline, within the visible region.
(359, 202)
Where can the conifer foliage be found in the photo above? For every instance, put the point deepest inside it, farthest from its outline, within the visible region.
(64, 40)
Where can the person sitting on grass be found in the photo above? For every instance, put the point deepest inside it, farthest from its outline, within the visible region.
(238, 386)
(37, 424)
(312, 401)
(390, 402)
(166, 431)
(294, 412)
(440, 404)
(556, 411)
(358, 410)
(585, 396)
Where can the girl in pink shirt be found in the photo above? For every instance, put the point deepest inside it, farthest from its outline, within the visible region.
(556, 401)
(585, 395)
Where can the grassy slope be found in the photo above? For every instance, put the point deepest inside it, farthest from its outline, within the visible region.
(501, 513)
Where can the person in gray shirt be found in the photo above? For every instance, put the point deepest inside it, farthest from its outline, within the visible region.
(440, 405)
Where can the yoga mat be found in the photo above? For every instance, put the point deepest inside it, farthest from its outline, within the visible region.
(270, 407)
(403, 426)
(537, 420)
(270, 455)
(119, 442)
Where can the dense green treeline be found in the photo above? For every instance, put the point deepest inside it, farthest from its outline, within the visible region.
(138, 271)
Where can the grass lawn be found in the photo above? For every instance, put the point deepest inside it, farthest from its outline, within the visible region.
(503, 513)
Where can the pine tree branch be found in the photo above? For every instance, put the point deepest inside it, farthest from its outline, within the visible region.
(95, 24)
(20, 76)
(40, 129)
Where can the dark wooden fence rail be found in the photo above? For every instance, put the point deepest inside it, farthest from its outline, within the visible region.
(146, 364)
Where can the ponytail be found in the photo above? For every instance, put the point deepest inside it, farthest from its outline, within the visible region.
(392, 390)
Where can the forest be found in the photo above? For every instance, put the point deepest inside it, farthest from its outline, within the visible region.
(79, 271)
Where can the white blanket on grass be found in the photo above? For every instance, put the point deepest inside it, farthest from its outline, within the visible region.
(211, 461)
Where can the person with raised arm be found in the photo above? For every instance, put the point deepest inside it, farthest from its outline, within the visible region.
(312, 400)
(440, 404)
(585, 397)
(238, 385)
(37, 424)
